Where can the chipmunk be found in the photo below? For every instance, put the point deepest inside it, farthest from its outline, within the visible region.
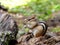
(37, 28)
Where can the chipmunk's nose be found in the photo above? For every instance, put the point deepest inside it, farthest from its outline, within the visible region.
(40, 30)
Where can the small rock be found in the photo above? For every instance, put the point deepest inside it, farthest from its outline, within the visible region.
(50, 34)
(58, 33)
(40, 43)
(56, 38)
(50, 42)
(24, 38)
(24, 43)
(57, 43)
(33, 41)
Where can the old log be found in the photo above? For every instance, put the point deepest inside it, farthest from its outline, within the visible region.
(8, 28)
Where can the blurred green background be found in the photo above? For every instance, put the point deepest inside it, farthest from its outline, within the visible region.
(42, 8)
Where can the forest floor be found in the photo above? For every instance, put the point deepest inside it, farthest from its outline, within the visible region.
(50, 38)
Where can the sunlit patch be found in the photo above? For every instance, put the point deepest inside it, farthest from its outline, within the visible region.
(14, 3)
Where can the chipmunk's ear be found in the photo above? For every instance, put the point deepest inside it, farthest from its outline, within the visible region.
(44, 25)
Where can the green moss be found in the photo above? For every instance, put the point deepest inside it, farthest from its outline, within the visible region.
(56, 29)
(20, 26)
(27, 30)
